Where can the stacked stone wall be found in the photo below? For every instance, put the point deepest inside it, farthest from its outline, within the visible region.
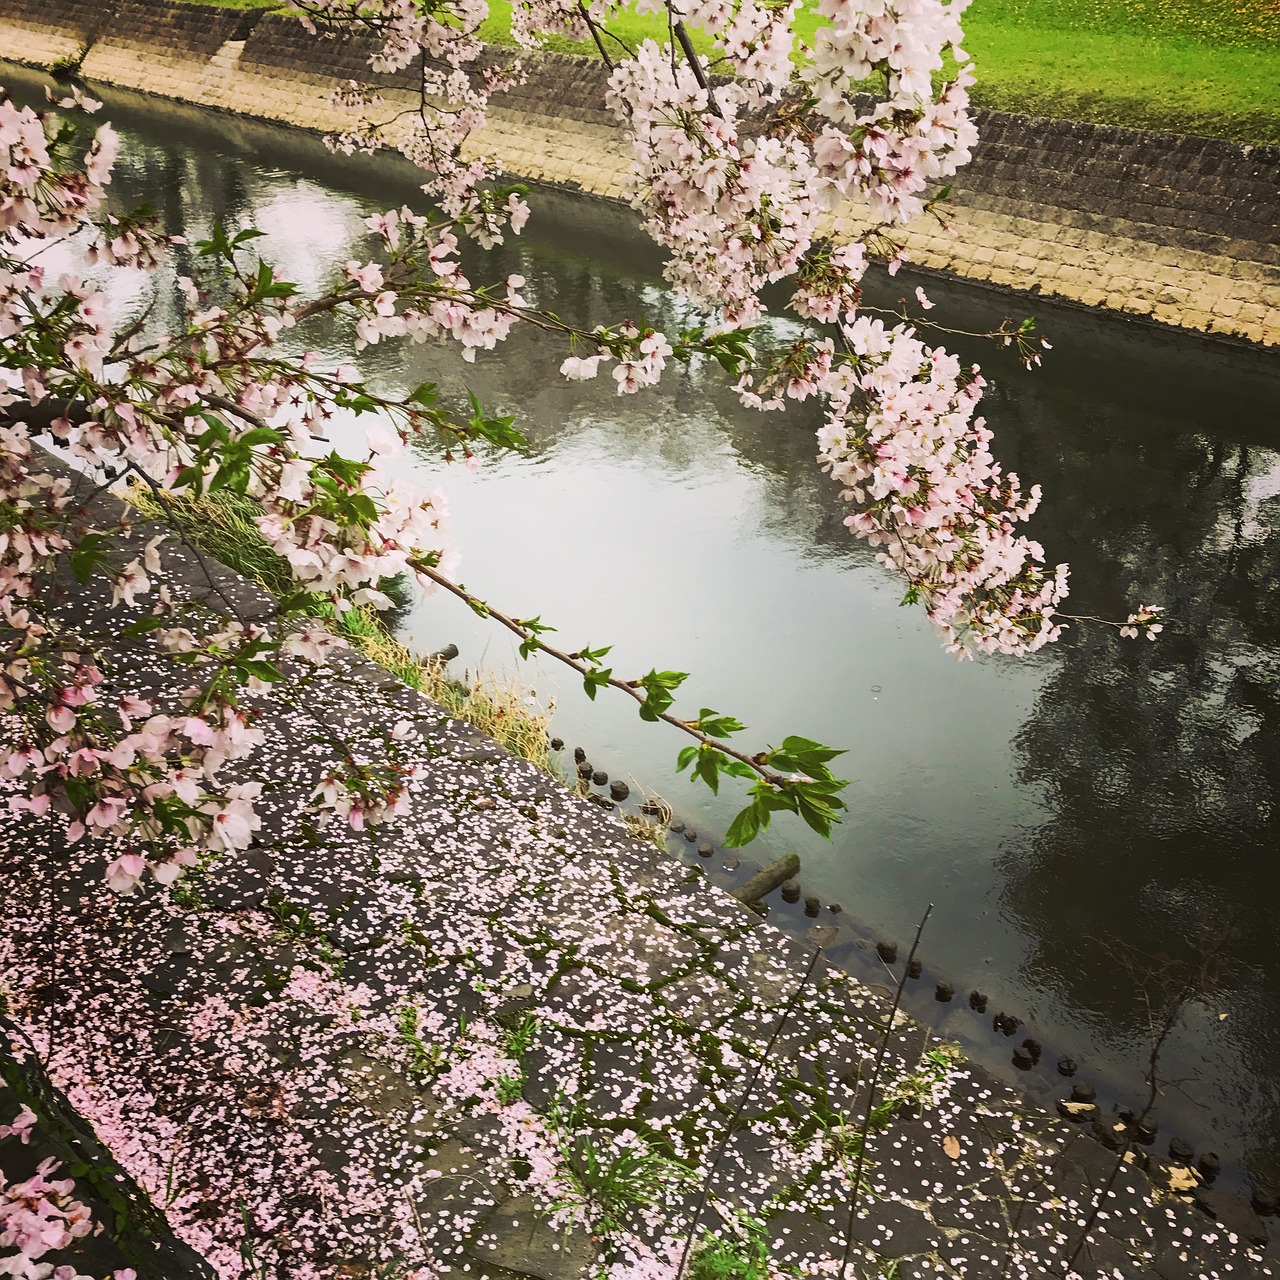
(1182, 230)
(40, 33)
(565, 88)
(196, 31)
(279, 43)
(72, 17)
(1200, 186)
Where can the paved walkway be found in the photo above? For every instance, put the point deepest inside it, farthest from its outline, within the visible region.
(501, 1038)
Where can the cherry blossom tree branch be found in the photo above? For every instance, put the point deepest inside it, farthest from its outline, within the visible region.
(694, 63)
(734, 181)
(632, 688)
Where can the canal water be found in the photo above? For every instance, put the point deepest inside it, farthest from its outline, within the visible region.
(1096, 825)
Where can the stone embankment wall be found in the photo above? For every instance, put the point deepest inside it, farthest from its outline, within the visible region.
(1183, 230)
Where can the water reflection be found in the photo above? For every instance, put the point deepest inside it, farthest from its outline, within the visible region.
(1102, 790)
(1159, 763)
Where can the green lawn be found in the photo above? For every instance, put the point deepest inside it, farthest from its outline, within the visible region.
(1192, 66)
(1195, 66)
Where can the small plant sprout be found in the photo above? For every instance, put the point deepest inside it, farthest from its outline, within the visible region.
(612, 1177)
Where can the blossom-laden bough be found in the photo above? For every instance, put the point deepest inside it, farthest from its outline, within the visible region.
(742, 176)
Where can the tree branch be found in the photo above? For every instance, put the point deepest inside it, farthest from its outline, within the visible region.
(691, 57)
(582, 668)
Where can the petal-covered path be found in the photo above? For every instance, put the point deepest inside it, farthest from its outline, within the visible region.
(499, 1037)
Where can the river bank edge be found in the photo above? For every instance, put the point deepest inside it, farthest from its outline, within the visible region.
(1173, 229)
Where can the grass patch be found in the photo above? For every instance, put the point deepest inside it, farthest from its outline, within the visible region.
(1217, 22)
(221, 525)
(1161, 77)
(1189, 66)
(239, 4)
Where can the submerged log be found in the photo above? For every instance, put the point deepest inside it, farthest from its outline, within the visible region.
(786, 868)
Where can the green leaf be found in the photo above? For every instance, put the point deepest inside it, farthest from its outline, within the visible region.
(87, 556)
(497, 431)
(708, 768)
(266, 285)
(217, 431)
(361, 508)
(771, 800)
(233, 475)
(715, 725)
(803, 755)
(745, 827)
(664, 679)
(299, 602)
(190, 476)
(818, 814)
(685, 758)
(142, 626)
(595, 679)
(731, 350)
(261, 435)
(658, 697)
(346, 470)
(217, 246)
(356, 400)
(535, 627)
(260, 670)
(80, 792)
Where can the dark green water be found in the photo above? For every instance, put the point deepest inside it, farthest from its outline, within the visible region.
(1087, 822)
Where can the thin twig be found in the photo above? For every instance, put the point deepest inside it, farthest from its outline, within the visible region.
(731, 1125)
(173, 523)
(868, 1110)
(1191, 986)
(691, 57)
(583, 669)
(595, 35)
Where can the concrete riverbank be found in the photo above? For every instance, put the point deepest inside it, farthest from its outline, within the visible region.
(1183, 231)
(501, 1037)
